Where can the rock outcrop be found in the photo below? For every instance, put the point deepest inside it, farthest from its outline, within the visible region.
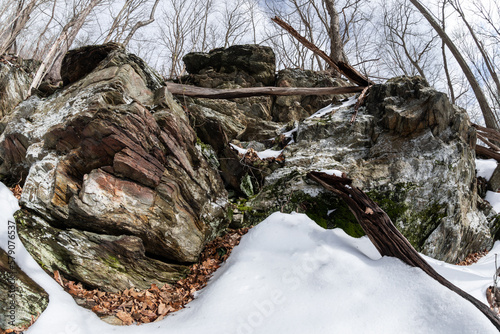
(410, 150)
(113, 176)
(237, 66)
(22, 299)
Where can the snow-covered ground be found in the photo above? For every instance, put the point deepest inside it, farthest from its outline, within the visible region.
(289, 275)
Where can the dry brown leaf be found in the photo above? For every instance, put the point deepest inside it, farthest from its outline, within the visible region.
(125, 317)
(154, 303)
(58, 278)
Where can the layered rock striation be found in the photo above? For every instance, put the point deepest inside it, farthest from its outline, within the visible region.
(116, 193)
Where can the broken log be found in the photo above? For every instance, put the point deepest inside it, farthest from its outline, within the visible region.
(385, 236)
(487, 153)
(490, 137)
(194, 91)
(347, 70)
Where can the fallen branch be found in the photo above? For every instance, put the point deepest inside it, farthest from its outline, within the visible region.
(487, 142)
(492, 136)
(350, 72)
(385, 236)
(359, 102)
(193, 91)
(488, 153)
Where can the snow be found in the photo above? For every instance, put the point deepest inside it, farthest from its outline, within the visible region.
(485, 167)
(494, 199)
(262, 154)
(332, 172)
(332, 107)
(289, 275)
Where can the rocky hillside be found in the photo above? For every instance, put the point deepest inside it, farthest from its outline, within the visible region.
(124, 184)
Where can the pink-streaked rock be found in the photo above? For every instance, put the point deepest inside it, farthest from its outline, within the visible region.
(105, 157)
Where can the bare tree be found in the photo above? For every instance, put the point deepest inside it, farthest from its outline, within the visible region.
(336, 44)
(326, 23)
(178, 26)
(254, 20)
(235, 24)
(451, 90)
(486, 60)
(407, 41)
(45, 29)
(204, 28)
(141, 24)
(121, 20)
(15, 23)
(489, 116)
(52, 61)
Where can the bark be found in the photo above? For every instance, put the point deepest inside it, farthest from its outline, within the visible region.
(491, 134)
(385, 236)
(445, 62)
(487, 153)
(194, 91)
(489, 116)
(336, 45)
(117, 21)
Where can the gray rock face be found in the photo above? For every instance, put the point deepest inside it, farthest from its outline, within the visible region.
(111, 165)
(236, 66)
(21, 298)
(15, 81)
(410, 150)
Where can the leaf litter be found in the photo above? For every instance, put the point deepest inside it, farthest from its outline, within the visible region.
(145, 306)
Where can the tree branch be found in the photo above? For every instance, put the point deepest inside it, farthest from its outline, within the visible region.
(193, 91)
(385, 236)
(350, 72)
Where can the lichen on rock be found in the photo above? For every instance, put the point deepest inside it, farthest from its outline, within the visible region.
(411, 150)
(22, 299)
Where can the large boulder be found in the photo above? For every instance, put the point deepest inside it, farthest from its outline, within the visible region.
(237, 66)
(22, 299)
(410, 149)
(111, 164)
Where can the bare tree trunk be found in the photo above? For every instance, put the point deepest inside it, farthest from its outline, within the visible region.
(116, 21)
(52, 61)
(19, 22)
(445, 62)
(141, 24)
(35, 53)
(489, 116)
(386, 237)
(336, 45)
(341, 67)
(486, 58)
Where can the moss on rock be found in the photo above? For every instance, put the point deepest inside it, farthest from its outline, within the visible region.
(415, 225)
